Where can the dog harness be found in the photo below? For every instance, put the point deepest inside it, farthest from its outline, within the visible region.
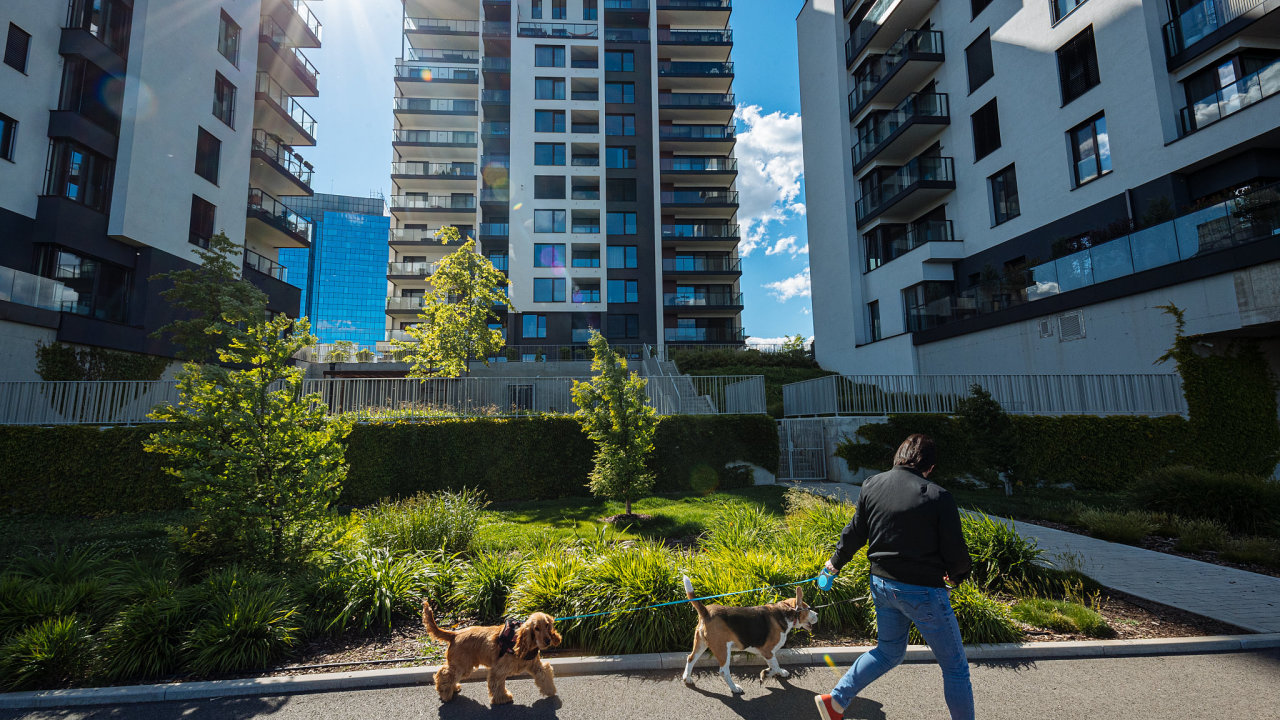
(507, 640)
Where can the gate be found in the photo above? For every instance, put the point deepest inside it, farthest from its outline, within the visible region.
(804, 452)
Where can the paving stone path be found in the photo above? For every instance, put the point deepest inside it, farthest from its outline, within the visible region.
(1247, 600)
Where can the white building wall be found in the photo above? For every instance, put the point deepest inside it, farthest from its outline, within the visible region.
(18, 349)
(28, 98)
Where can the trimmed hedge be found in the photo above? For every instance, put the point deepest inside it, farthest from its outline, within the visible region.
(92, 471)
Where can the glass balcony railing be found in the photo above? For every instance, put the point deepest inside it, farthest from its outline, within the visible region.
(437, 105)
(34, 291)
(1201, 20)
(499, 97)
(436, 137)
(265, 266)
(434, 202)
(700, 197)
(496, 161)
(421, 236)
(495, 129)
(404, 304)
(495, 229)
(585, 161)
(700, 164)
(442, 26)
(282, 155)
(437, 73)
(696, 100)
(702, 299)
(697, 132)
(669, 68)
(912, 45)
(890, 242)
(585, 128)
(270, 210)
(411, 269)
(496, 28)
(495, 195)
(710, 231)
(1249, 90)
(626, 4)
(270, 31)
(904, 180)
(695, 37)
(703, 264)
(585, 95)
(703, 334)
(437, 170)
(625, 35)
(290, 107)
(866, 29)
(874, 134)
(695, 4)
(469, 57)
(496, 63)
(571, 31)
(308, 18)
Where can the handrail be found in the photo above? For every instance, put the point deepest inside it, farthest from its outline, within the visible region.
(268, 86)
(282, 154)
(279, 214)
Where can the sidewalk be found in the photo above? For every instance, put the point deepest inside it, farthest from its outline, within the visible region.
(1247, 600)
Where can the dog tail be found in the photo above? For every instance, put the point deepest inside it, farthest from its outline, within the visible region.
(429, 621)
(697, 605)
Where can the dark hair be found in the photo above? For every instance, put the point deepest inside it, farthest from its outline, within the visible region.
(917, 452)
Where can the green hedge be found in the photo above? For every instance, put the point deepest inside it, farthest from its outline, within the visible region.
(1084, 451)
(88, 471)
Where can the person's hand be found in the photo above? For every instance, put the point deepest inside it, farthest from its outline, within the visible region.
(831, 568)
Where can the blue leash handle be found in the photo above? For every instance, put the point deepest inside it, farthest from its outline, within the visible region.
(687, 600)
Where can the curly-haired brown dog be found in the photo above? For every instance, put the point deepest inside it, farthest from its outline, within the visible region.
(485, 645)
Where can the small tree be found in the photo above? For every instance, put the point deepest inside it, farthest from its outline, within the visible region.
(218, 300)
(614, 411)
(260, 462)
(988, 432)
(456, 314)
(341, 351)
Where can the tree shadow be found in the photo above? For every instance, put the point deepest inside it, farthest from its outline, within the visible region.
(214, 709)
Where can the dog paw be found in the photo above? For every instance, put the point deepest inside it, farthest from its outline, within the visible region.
(783, 673)
(504, 700)
(688, 680)
(736, 690)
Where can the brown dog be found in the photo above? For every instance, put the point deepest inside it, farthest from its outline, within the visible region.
(505, 650)
(761, 630)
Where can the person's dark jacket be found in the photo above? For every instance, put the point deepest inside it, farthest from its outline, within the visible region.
(911, 527)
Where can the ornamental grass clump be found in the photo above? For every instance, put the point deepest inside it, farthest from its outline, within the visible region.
(445, 522)
(51, 653)
(982, 619)
(376, 588)
(1200, 535)
(1129, 526)
(741, 527)
(247, 621)
(1001, 557)
(484, 584)
(631, 576)
(1062, 616)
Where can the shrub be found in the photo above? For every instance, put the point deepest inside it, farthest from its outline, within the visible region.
(740, 528)
(982, 619)
(1001, 557)
(880, 440)
(1128, 527)
(145, 641)
(988, 433)
(1198, 535)
(247, 622)
(483, 585)
(549, 583)
(51, 653)
(629, 576)
(1255, 550)
(377, 588)
(1243, 503)
(441, 522)
(1062, 616)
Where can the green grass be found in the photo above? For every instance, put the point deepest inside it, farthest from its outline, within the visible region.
(1049, 504)
(145, 534)
(1062, 616)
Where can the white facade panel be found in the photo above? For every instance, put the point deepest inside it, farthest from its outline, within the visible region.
(27, 98)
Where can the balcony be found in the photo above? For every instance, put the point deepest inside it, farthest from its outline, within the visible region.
(702, 45)
(21, 288)
(435, 113)
(272, 224)
(276, 112)
(496, 101)
(491, 130)
(890, 77)
(456, 209)
(437, 55)
(495, 196)
(413, 240)
(897, 135)
(702, 265)
(262, 264)
(442, 34)
(697, 76)
(625, 35)
(1203, 21)
(285, 62)
(298, 21)
(563, 31)
(715, 301)
(435, 145)
(694, 13)
(710, 169)
(496, 29)
(700, 203)
(907, 190)
(276, 168)
(886, 243)
(707, 235)
(886, 20)
(715, 108)
(690, 135)
(410, 270)
(437, 81)
(404, 305)
(496, 64)
(611, 5)
(434, 176)
(1249, 90)
(723, 335)
(494, 231)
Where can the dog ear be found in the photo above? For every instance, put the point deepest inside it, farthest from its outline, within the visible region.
(525, 642)
(799, 596)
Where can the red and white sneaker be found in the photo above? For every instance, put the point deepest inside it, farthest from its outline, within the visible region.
(826, 710)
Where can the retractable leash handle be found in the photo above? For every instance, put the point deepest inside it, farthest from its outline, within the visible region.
(825, 579)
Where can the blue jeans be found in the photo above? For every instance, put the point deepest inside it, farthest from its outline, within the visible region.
(897, 606)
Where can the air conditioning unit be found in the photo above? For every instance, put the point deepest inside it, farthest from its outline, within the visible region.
(1046, 328)
(1071, 326)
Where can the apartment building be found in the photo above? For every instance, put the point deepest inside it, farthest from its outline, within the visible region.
(131, 131)
(588, 146)
(1019, 186)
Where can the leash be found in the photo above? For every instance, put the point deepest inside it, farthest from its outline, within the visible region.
(687, 600)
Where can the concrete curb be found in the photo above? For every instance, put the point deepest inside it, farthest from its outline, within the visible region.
(576, 666)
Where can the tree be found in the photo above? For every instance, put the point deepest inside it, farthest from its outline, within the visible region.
(456, 314)
(260, 462)
(793, 344)
(217, 298)
(341, 351)
(614, 412)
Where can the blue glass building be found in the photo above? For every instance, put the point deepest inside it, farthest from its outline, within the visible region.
(343, 275)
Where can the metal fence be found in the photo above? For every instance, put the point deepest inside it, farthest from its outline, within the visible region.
(1148, 394)
(370, 399)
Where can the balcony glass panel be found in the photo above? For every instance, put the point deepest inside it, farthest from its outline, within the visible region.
(438, 105)
(436, 73)
(265, 265)
(278, 214)
(446, 55)
(700, 230)
(700, 197)
(695, 37)
(875, 132)
(700, 164)
(1200, 20)
(436, 137)
(434, 202)
(908, 47)
(430, 169)
(1244, 92)
(694, 69)
(571, 31)
(283, 155)
(904, 179)
(272, 89)
(439, 25)
(694, 100)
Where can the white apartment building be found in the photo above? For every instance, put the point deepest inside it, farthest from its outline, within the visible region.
(131, 131)
(588, 146)
(1021, 184)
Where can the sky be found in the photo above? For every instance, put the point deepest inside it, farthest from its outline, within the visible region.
(353, 154)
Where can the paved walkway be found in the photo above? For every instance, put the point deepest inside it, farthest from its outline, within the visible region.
(1247, 600)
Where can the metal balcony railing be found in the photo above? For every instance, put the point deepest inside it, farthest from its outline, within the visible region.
(579, 31)
(437, 105)
(265, 266)
(875, 132)
(436, 73)
(670, 68)
(494, 63)
(625, 35)
(866, 29)
(697, 132)
(494, 195)
(713, 231)
(420, 236)
(30, 290)
(702, 299)
(904, 180)
(411, 269)
(897, 240)
(700, 164)
(308, 18)
(496, 28)
(695, 37)
(700, 197)
(704, 334)
(626, 4)
(495, 129)
(495, 229)
(1249, 90)
(430, 169)
(695, 4)
(696, 100)
(404, 304)
(282, 155)
(271, 32)
(436, 137)
(1202, 19)
(268, 209)
(442, 26)
(470, 57)
(267, 86)
(911, 46)
(703, 264)
(434, 202)
(500, 97)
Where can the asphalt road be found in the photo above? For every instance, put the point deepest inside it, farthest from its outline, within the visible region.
(1242, 685)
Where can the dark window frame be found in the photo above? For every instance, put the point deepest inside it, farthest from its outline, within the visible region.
(1008, 177)
(8, 137)
(549, 187)
(874, 327)
(207, 143)
(557, 117)
(625, 121)
(554, 286)
(979, 51)
(558, 88)
(222, 85)
(1092, 125)
(203, 218)
(92, 180)
(229, 34)
(626, 58)
(626, 93)
(539, 325)
(557, 55)
(18, 42)
(1078, 71)
(558, 154)
(977, 6)
(985, 123)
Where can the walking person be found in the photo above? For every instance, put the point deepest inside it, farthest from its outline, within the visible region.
(912, 529)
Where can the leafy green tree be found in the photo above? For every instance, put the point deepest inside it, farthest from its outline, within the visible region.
(218, 300)
(988, 431)
(455, 315)
(614, 412)
(260, 462)
(341, 351)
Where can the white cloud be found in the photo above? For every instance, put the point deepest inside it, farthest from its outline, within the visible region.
(787, 245)
(795, 286)
(774, 341)
(770, 169)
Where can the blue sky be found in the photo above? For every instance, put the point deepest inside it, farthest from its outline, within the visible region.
(362, 40)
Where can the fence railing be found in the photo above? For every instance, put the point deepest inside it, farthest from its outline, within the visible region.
(1149, 394)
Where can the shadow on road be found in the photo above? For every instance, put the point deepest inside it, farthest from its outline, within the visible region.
(462, 707)
(218, 709)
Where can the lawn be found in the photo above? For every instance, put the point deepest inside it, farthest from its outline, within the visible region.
(1035, 503)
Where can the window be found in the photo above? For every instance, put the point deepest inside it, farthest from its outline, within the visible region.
(622, 257)
(208, 156)
(619, 92)
(499, 260)
(548, 56)
(549, 221)
(548, 88)
(94, 288)
(586, 257)
(8, 137)
(619, 61)
(620, 125)
(624, 291)
(926, 305)
(548, 289)
(202, 215)
(1078, 66)
(82, 93)
(224, 100)
(977, 58)
(587, 188)
(229, 40)
(977, 6)
(1004, 195)
(534, 326)
(621, 190)
(1090, 150)
(586, 292)
(15, 49)
(621, 223)
(559, 10)
(623, 327)
(548, 187)
(107, 20)
(548, 153)
(586, 222)
(873, 320)
(986, 130)
(1062, 8)
(620, 157)
(589, 11)
(535, 9)
(548, 121)
(78, 174)
(548, 255)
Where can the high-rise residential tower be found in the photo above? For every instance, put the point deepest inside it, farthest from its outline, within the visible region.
(1008, 187)
(131, 131)
(588, 146)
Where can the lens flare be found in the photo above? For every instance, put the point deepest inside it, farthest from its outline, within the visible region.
(426, 74)
(517, 206)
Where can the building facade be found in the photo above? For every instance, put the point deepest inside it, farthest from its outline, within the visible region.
(343, 275)
(131, 131)
(588, 147)
(1021, 185)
